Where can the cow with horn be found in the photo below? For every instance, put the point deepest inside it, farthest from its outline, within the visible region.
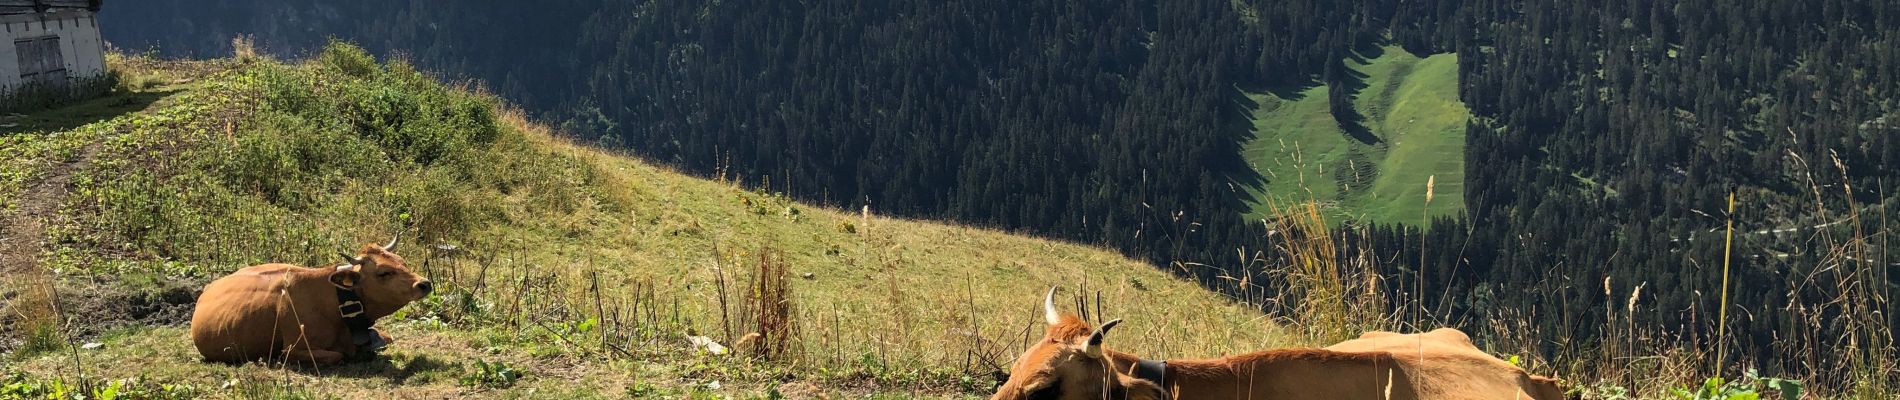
(1070, 363)
(297, 314)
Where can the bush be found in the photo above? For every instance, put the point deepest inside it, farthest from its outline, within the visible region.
(348, 59)
(286, 88)
(338, 143)
(475, 116)
(259, 164)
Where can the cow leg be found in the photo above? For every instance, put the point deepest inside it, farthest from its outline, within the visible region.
(306, 354)
(308, 332)
(301, 346)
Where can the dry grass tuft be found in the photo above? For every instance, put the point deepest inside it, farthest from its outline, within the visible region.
(1332, 295)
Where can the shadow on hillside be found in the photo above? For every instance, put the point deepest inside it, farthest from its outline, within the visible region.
(1239, 130)
(384, 367)
(1342, 92)
(1344, 85)
(81, 113)
(1295, 92)
(1366, 51)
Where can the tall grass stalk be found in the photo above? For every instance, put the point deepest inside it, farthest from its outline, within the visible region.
(1418, 299)
(1721, 326)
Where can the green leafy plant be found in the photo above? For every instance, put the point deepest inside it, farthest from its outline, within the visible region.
(20, 386)
(1750, 387)
(1600, 391)
(491, 375)
(582, 327)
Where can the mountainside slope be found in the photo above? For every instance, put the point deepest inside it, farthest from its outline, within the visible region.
(1411, 129)
(580, 269)
(1609, 143)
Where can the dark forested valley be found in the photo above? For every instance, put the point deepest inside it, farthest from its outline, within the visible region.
(1604, 143)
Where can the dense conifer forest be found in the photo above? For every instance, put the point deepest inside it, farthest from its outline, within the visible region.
(1604, 143)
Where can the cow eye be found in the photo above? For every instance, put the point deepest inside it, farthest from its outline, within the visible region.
(1051, 392)
(386, 274)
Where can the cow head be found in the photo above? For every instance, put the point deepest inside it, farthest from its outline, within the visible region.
(378, 275)
(1070, 364)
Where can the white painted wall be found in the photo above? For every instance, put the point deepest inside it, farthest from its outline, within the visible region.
(79, 42)
(10, 56)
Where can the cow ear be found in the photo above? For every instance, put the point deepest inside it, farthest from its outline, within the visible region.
(345, 278)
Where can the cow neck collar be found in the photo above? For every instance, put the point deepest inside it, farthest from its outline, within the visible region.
(1155, 371)
(356, 318)
(350, 305)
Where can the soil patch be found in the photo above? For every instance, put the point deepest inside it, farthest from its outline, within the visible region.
(23, 237)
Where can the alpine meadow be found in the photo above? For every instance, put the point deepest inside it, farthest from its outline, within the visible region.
(1654, 199)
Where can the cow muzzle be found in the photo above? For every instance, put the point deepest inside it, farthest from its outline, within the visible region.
(425, 287)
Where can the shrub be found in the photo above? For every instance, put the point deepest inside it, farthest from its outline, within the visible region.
(476, 117)
(288, 89)
(336, 139)
(348, 59)
(260, 164)
(380, 112)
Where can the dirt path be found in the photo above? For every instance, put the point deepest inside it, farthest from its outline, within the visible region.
(22, 238)
(23, 232)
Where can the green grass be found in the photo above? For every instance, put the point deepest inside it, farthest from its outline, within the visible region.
(32, 143)
(1410, 103)
(26, 157)
(258, 161)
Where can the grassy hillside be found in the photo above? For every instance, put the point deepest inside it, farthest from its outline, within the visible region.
(581, 269)
(1410, 105)
(565, 271)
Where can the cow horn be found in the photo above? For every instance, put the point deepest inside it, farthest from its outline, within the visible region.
(1049, 307)
(1095, 339)
(392, 242)
(351, 260)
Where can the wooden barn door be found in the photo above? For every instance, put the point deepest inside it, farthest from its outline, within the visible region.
(41, 62)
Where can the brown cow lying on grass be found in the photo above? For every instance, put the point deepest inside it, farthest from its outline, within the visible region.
(320, 315)
(1070, 363)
